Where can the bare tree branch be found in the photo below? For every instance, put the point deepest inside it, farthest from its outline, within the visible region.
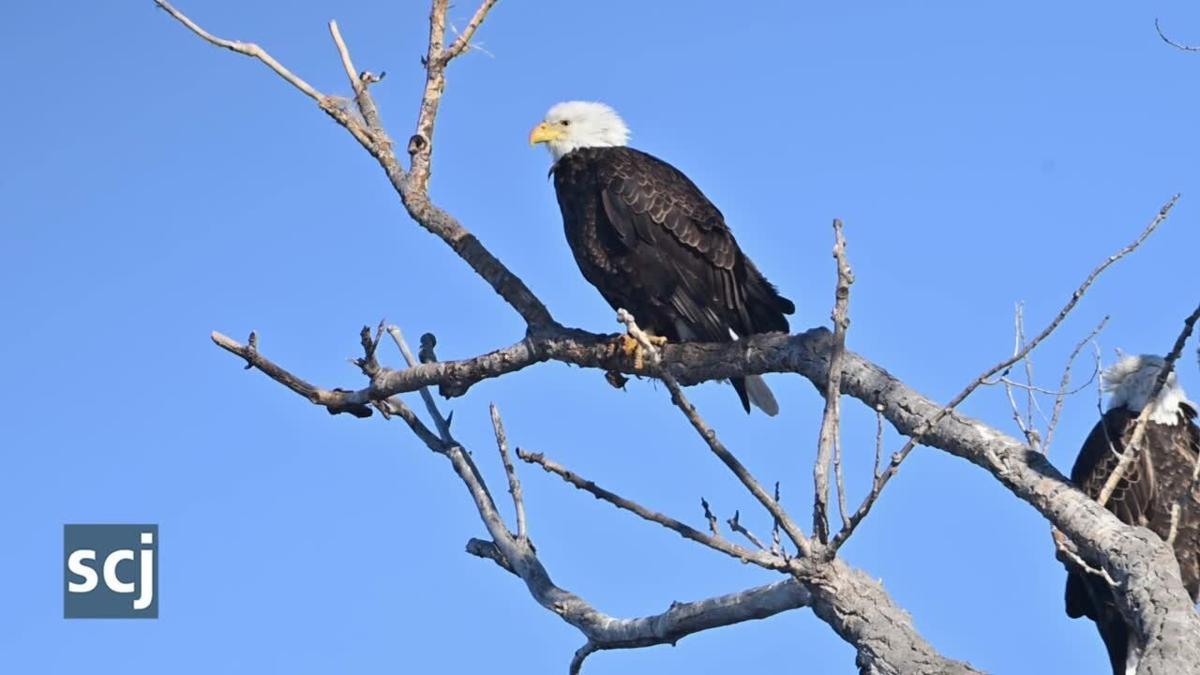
(442, 423)
(413, 190)
(514, 483)
(856, 607)
(710, 437)
(829, 441)
(710, 518)
(516, 555)
(335, 400)
(735, 524)
(1064, 384)
(463, 42)
(1177, 45)
(762, 559)
(246, 49)
(359, 83)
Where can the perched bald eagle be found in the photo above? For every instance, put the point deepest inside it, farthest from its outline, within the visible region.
(1159, 477)
(649, 240)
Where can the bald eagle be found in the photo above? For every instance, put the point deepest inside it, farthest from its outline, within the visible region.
(649, 240)
(1159, 477)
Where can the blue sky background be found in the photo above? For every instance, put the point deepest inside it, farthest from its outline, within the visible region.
(153, 189)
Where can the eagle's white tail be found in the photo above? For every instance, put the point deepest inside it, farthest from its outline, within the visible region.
(760, 395)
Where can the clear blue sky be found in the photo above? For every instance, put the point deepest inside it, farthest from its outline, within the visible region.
(153, 188)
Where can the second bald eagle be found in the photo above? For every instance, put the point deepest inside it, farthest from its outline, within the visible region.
(649, 240)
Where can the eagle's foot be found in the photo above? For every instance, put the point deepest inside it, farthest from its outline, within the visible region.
(629, 346)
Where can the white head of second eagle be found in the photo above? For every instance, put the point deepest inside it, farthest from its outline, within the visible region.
(649, 240)
(1131, 382)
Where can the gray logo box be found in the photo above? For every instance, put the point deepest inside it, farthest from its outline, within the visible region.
(110, 571)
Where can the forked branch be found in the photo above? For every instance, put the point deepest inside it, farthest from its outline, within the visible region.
(829, 440)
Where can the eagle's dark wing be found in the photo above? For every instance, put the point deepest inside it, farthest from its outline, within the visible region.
(1133, 498)
(674, 230)
(1178, 470)
(1087, 594)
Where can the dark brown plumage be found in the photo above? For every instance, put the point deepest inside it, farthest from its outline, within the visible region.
(646, 237)
(1156, 480)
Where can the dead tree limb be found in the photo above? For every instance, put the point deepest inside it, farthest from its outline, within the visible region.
(829, 440)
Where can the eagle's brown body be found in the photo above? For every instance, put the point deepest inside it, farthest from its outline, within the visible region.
(1160, 477)
(646, 237)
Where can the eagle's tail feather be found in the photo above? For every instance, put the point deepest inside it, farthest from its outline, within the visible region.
(760, 395)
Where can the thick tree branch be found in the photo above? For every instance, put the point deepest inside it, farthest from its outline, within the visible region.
(862, 613)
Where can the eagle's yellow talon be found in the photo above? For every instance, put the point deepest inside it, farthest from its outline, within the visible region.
(629, 346)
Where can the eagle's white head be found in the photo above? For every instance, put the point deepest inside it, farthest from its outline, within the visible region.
(579, 124)
(1131, 381)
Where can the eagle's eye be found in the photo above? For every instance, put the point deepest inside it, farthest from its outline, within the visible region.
(565, 123)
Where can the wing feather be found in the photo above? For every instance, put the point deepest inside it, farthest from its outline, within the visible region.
(645, 198)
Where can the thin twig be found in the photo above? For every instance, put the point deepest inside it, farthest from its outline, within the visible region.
(776, 541)
(760, 558)
(708, 516)
(878, 441)
(331, 105)
(1004, 380)
(1065, 551)
(514, 483)
(1062, 393)
(735, 524)
(1030, 399)
(246, 49)
(1018, 342)
(442, 423)
(463, 43)
(1177, 45)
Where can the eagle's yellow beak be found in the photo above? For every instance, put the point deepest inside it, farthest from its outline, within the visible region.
(543, 133)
